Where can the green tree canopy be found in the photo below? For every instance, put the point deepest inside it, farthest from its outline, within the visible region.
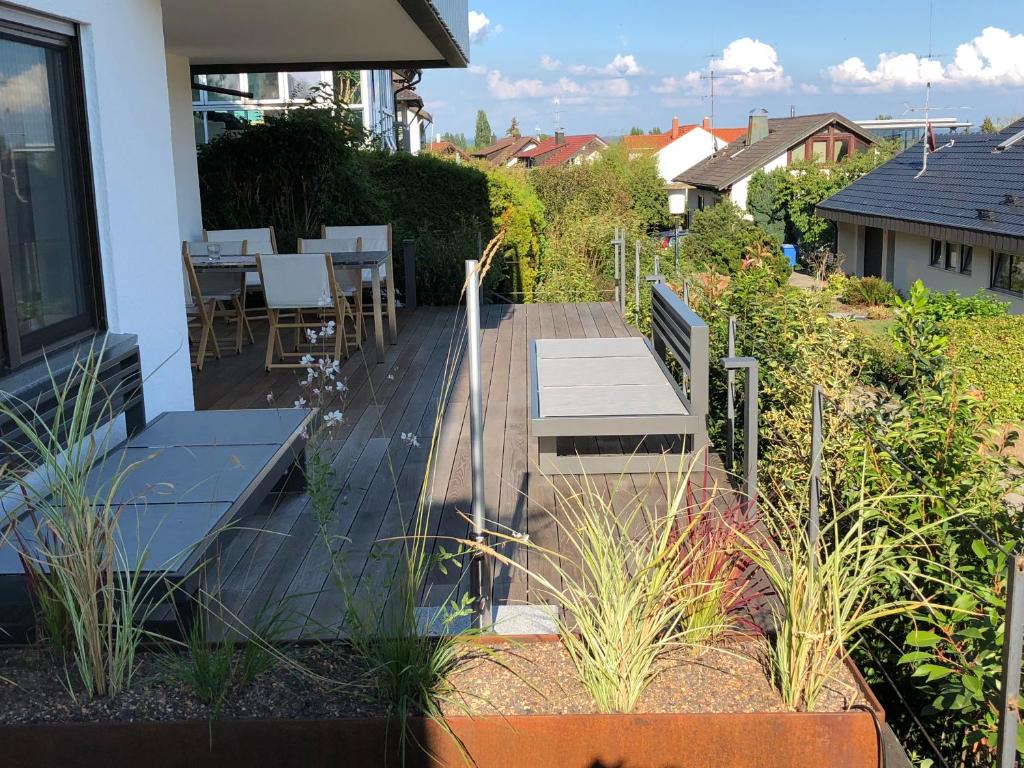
(458, 139)
(636, 130)
(721, 239)
(513, 129)
(987, 126)
(483, 134)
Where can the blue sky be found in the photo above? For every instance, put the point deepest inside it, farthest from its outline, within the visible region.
(614, 64)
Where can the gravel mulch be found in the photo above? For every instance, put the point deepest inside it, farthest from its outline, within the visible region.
(318, 682)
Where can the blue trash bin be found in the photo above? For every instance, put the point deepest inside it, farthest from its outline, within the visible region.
(789, 251)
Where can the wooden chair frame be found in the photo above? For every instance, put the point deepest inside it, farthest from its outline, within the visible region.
(200, 325)
(295, 319)
(250, 313)
(353, 310)
(366, 308)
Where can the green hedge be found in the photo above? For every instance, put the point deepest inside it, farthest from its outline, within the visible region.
(301, 170)
(986, 352)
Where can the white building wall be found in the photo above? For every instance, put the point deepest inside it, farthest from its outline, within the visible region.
(911, 263)
(685, 152)
(125, 73)
(183, 148)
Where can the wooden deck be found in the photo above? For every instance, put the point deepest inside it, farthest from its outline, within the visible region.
(278, 554)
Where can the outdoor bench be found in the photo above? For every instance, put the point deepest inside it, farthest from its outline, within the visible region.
(199, 472)
(612, 405)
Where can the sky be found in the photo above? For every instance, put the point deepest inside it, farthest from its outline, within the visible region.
(614, 64)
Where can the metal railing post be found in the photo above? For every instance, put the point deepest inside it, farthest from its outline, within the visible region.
(677, 247)
(479, 581)
(1013, 649)
(814, 519)
(636, 281)
(657, 264)
(409, 262)
(618, 274)
(730, 402)
(751, 415)
(686, 292)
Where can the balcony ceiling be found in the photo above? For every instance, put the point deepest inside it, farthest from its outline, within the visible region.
(262, 35)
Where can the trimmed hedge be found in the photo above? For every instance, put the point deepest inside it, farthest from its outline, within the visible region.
(986, 353)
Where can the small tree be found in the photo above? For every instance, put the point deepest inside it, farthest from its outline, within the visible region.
(722, 240)
(636, 130)
(987, 126)
(513, 130)
(483, 134)
(458, 139)
(655, 131)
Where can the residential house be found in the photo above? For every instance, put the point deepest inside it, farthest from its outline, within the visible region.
(505, 149)
(910, 130)
(562, 150)
(678, 149)
(448, 150)
(98, 151)
(771, 143)
(957, 225)
(411, 118)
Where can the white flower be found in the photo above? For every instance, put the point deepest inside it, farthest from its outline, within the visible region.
(270, 398)
(520, 536)
(329, 330)
(391, 377)
(316, 391)
(332, 418)
(410, 440)
(301, 402)
(311, 335)
(306, 360)
(341, 386)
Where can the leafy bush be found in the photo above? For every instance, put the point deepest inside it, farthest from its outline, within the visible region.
(953, 306)
(304, 169)
(722, 240)
(868, 292)
(985, 355)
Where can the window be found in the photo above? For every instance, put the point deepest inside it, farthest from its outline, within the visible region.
(700, 202)
(936, 255)
(265, 86)
(49, 284)
(951, 256)
(232, 82)
(1008, 272)
(966, 259)
(840, 149)
(819, 150)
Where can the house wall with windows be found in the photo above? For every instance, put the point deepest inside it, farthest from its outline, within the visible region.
(945, 265)
(128, 212)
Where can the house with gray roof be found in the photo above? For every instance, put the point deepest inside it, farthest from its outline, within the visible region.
(956, 226)
(771, 143)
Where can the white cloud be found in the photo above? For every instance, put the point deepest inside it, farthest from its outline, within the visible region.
(550, 64)
(477, 69)
(480, 27)
(993, 58)
(568, 90)
(809, 88)
(27, 89)
(623, 65)
(746, 66)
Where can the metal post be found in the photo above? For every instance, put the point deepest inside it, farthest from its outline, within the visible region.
(730, 403)
(814, 521)
(686, 292)
(1013, 648)
(479, 581)
(409, 261)
(618, 275)
(677, 245)
(657, 264)
(751, 415)
(636, 281)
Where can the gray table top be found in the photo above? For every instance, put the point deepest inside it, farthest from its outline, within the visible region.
(603, 378)
(248, 263)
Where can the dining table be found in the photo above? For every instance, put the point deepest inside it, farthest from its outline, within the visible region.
(377, 263)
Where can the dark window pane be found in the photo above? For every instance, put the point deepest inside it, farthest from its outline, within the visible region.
(1008, 272)
(48, 257)
(951, 253)
(1017, 274)
(966, 259)
(234, 82)
(265, 86)
(936, 256)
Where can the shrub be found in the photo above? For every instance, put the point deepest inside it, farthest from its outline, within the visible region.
(985, 354)
(953, 306)
(722, 240)
(868, 292)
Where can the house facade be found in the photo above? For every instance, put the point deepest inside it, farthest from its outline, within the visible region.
(956, 224)
(99, 189)
(562, 150)
(503, 152)
(770, 143)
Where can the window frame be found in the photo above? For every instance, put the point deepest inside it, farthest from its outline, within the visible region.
(81, 196)
(1013, 257)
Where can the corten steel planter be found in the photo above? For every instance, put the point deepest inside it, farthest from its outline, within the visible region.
(734, 740)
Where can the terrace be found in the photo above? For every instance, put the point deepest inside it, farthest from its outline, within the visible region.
(277, 554)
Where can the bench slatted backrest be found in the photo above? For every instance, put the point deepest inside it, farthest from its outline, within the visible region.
(678, 329)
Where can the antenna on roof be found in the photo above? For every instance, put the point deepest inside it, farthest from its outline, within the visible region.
(710, 76)
(558, 114)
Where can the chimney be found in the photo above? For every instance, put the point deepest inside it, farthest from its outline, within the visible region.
(757, 126)
(675, 128)
(706, 125)
(559, 138)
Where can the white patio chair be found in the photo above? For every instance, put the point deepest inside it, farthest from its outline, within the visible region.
(258, 240)
(214, 283)
(301, 295)
(200, 310)
(375, 237)
(349, 279)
